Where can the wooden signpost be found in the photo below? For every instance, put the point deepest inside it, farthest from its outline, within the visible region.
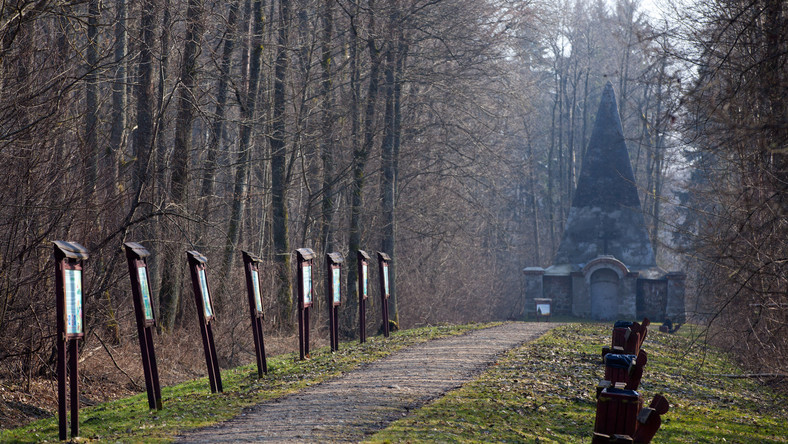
(363, 293)
(205, 315)
(305, 294)
(334, 278)
(383, 273)
(146, 320)
(252, 269)
(70, 327)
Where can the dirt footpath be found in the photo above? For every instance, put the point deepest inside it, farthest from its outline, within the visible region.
(361, 402)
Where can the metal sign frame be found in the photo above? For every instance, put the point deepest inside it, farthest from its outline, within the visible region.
(305, 297)
(383, 274)
(145, 316)
(69, 257)
(334, 294)
(363, 292)
(205, 315)
(254, 296)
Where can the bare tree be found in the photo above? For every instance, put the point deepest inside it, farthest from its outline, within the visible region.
(736, 127)
(279, 168)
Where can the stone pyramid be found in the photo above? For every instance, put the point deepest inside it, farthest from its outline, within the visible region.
(606, 217)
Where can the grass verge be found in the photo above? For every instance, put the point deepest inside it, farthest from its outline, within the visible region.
(544, 392)
(191, 405)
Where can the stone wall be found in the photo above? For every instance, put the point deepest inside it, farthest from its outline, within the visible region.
(652, 296)
(559, 289)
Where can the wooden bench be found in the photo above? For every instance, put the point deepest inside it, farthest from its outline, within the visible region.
(629, 336)
(646, 424)
(620, 415)
(617, 411)
(650, 419)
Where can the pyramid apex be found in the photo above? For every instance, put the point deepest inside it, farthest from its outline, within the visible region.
(606, 216)
(608, 101)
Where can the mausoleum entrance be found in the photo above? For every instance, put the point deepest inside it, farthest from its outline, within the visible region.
(604, 294)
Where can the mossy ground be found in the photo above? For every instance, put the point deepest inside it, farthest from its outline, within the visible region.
(545, 392)
(191, 405)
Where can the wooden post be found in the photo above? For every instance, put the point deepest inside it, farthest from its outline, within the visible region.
(136, 256)
(363, 293)
(70, 327)
(205, 315)
(253, 292)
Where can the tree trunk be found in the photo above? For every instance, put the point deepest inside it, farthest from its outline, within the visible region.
(171, 272)
(143, 136)
(216, 136)
(279, 172)
(248, 109)
(162, 147)
(361, 156)
(551, 166)
(119, 99)
(399, 68)
(327, 133)
(349, 309)
(532, 164)
(389, 151)
(91, 113)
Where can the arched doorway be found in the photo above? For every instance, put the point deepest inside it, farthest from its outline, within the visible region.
(604, 294)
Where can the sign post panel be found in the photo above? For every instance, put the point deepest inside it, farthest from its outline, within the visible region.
(362, 260)
(252, 265)
(305, 290)
(205, 315)
(69, 304)
(142, 298)
(334, 268)
(383, 271)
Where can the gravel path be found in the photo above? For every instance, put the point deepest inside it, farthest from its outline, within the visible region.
(361, 402)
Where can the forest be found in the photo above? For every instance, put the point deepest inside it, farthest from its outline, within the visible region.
(446, 133)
